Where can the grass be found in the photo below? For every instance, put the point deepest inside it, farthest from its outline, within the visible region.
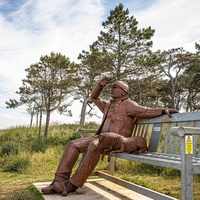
(40, 159)
(160, 179)
(18, 186)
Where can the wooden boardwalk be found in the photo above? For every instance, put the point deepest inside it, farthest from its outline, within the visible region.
(100, 189)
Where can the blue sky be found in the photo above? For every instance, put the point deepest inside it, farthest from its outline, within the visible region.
(31, 28)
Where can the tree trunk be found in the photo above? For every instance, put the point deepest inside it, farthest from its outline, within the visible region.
(40, 126)
(173, 94)
(37, 115)
(83, 111)
(32, 114)
(31, 121)
(47, 124)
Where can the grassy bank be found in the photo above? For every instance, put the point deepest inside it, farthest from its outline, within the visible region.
(24, 160)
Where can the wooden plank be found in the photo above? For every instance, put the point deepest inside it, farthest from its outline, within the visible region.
(142, 130)
(146, 130)
(169, 147)
(134, 130)
(167, 135)
(176, 140)
(139, 130)
(139, 189)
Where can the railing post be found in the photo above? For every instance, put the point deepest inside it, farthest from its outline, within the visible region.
(186, 169)
(185, 133)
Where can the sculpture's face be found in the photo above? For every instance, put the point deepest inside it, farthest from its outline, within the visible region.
(117, 92)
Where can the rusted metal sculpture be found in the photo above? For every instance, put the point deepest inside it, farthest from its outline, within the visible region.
(119, 117)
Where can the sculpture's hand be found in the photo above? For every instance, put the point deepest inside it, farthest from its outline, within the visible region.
(170, 111)
(105, 80)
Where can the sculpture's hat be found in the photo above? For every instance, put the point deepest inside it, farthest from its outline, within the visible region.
(123, 85)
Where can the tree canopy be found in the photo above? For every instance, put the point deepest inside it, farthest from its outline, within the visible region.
(168, 78)
(48, 85)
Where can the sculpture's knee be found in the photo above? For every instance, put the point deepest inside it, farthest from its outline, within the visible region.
(71, 144)
(101, 137)
(94, 145)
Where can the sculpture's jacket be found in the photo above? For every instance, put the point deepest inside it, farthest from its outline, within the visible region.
(119, 116)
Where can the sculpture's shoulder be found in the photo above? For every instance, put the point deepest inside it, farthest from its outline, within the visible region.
(130, 101)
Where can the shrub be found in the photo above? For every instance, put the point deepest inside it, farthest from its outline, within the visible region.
(39, 146)
(17, 163)
(57, 140)
(9, 147)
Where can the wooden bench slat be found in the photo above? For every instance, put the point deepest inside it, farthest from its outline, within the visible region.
(146, 130)
(177, 142)
(166, 138)
(170, 141)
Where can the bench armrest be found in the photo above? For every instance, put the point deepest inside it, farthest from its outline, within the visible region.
(180, 131)
(84, 132)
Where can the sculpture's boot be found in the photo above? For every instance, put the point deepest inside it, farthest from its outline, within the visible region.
(64, 187)
(85, 168)
(49, 189)
(65, 166)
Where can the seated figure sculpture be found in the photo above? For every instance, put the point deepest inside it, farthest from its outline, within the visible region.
(119, 117)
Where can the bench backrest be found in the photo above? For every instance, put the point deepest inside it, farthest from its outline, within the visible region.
(157, 132)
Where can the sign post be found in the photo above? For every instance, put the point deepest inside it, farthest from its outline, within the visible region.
(186, 167)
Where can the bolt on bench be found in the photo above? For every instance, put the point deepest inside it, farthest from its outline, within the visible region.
(172, 143)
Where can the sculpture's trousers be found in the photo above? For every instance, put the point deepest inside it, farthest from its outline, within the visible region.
(88, 145)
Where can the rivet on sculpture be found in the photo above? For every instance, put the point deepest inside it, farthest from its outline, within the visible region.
(119, 117)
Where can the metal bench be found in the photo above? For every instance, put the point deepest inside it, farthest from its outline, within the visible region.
(172, 143)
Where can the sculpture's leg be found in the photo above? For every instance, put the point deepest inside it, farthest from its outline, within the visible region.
(67, 161)
(64, 168)
(85, 168)
(87, 164)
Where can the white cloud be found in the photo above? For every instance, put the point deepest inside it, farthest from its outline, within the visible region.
(38, 28)
(176, 23)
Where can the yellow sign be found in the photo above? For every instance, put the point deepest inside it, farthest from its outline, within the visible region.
(188, 144)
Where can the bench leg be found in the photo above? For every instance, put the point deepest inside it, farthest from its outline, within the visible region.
(112, 165)
(186, 173)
